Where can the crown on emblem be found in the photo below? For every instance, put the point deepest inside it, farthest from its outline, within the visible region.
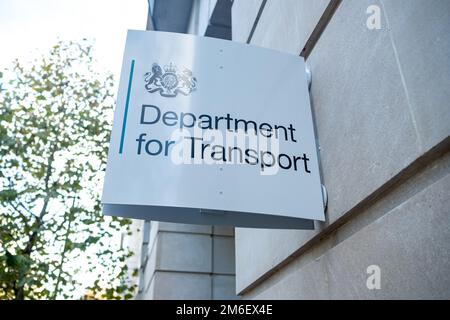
(168, 81)
(170, 68)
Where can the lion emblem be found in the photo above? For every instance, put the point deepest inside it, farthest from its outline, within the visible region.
(170, 82)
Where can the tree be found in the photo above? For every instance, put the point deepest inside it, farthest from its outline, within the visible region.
(55, 117)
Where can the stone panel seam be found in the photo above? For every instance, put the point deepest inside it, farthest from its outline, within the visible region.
(255, 23)
(195, 272)
(152, 248)
(320, 28)
(147, 260)
(281, 273)
(377, 196)
(402, 77)
(195, 233)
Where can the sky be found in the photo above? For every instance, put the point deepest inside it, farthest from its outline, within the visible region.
(28, 28)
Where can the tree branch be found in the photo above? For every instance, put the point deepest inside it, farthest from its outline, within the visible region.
(39, 220)
(63, 254)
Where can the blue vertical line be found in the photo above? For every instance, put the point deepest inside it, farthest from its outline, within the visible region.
(125, 113)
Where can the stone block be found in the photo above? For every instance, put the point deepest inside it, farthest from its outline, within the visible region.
(420, 33)
(180, 227)
(409, 245)
(364, 126)
(224, 261)
(181, 286)
(224, 288)
(243, 15)
(223, 230)
(184, 252)
(286, 25)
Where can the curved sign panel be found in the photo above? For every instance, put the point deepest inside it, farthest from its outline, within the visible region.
(209, 131)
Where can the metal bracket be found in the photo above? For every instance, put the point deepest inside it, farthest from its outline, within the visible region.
(325, 197)
(324, 189)
(308, 76)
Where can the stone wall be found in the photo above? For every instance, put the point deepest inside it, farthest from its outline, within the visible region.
(181, 261)
(381, 103)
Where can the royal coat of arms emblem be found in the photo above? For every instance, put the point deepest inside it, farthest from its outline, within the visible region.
(170, 82)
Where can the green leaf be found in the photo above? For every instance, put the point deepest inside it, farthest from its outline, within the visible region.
(54, 136)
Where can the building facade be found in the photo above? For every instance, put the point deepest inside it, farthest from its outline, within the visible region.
(380, 97)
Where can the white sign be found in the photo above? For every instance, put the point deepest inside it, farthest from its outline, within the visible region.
(209, 131)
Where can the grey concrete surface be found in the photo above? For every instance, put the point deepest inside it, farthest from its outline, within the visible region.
(180, 286)
(192, 255)
(180, 227)
(420, 35)
(223, 260)
(243, 15)
(184, 252)
(368, 127)
(286, 25)
(409, 244)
